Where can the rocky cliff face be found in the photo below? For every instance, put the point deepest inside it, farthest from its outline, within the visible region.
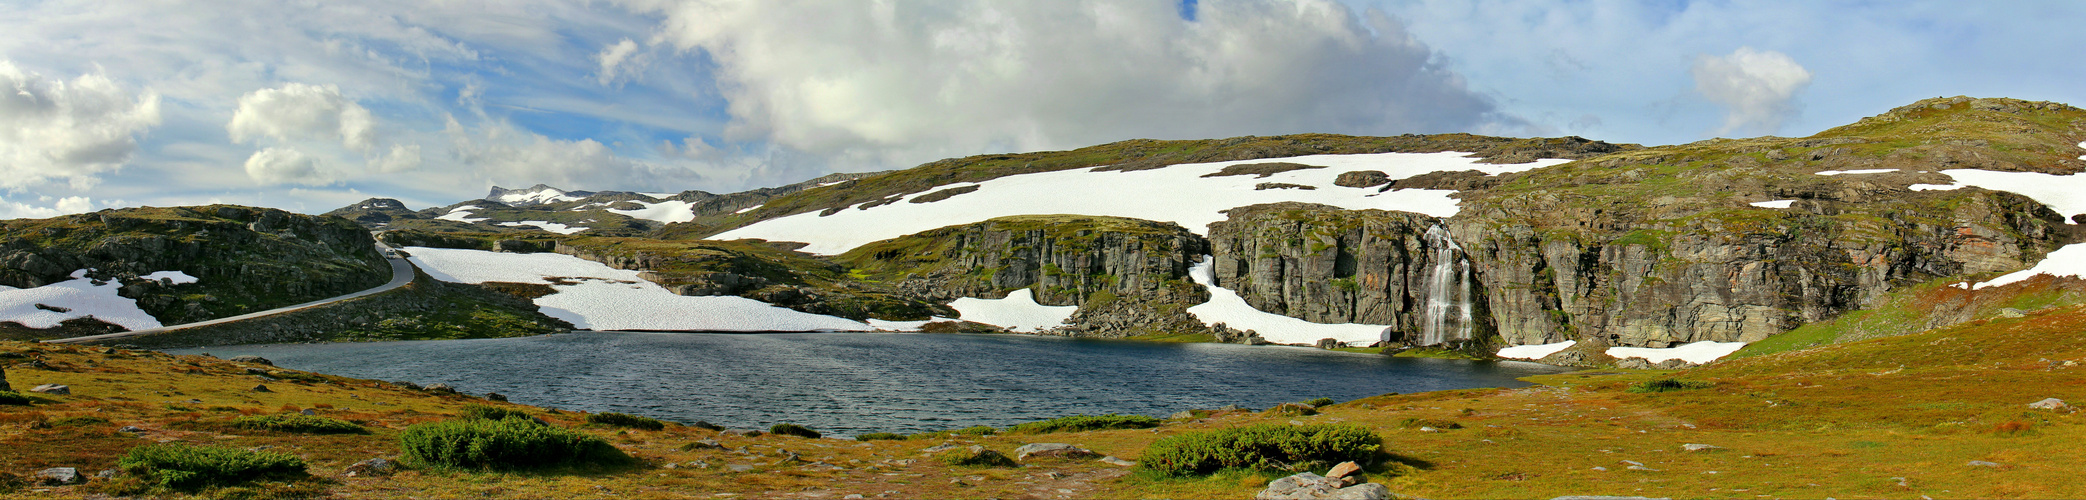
(1329, 265)
(1129, 274)
(246, 259)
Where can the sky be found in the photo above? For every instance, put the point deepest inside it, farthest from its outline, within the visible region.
(312, 105)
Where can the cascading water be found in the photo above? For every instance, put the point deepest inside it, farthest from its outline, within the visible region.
(1448, 313)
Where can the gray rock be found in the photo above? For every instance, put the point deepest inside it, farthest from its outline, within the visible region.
(938, 448)
(1981, 463)
(105, 474)
(1343, 470)
(1308, 486)
(1328, 343)
(741, 432)
(1051, 450)
(1634, 363)
(1362, 179)
(2008, 312)
(251, 360)
(1675, 364)
(1700, 447)
(261, 388)
(2052, 404)
(438, 387)
(309, 412)
(53, 389)
(57, 476)
(494, 396)
(1110, 460)
(1181, 415)
(706, 444)
(131, 429)
(371, 467)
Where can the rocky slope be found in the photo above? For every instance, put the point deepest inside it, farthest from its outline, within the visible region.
(245, 259)
(1129, 276)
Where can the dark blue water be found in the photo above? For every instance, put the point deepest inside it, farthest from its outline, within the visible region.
(852, 383)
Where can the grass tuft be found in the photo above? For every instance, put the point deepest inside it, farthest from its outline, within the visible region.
(1668, 385)
(1078, 423)
(181, 467)
(301, 424)
(503, 444)
(794, 430)
(614, 419)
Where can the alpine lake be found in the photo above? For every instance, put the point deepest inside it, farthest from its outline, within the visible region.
(855, 383)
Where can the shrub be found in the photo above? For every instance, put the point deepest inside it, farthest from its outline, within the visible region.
(614, 419)
(1271, 447)
(1320, 402)
(302, 424)
(975, 430)
(80, 421)
(705, 425)
(13, 398)
(794, 430)
(975, 456)
(1291, 410)
(503, 444)
(488, 412)
(873, 436)
(188, 468)
(1415, 423)
(1078, 423)
(1667, 385)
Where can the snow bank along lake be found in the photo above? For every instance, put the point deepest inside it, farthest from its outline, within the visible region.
(854, 383)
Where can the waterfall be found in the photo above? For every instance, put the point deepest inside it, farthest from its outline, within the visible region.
(1448, 315)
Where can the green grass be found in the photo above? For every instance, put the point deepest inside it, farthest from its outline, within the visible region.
(506, 444)
(788, 429)
(1668, 385)
(489, 412)
(880, 436)
(1078, 423)
(300, 424)
(13, 398)
(614, 419)
(181, 467)
(1271, 447)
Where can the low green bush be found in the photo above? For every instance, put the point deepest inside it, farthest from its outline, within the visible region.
(301, 424)
(80, 421)
(1320, 402)
(975, 456)
(13, 398)
(1270, 447)
(975, 430)
(1077, 423)
(489, 412)
(614, 419)
(503, 444)
(794, 430)
(183, 467)
(1668, 385)
(1415, 423)
(874, 436)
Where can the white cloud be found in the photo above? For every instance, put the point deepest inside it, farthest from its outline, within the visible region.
(301, 111)
(288, 166)
(893, 83)
(617, 61)
(402, 158)
(63, 206)
(507, 156)
(1755, 87)
(69, 130)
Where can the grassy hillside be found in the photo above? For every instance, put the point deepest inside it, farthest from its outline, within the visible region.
(1940, 414)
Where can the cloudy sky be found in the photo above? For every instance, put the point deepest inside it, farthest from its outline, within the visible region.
(312, 105)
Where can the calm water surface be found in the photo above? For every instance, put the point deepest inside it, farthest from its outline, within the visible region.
(852, 383)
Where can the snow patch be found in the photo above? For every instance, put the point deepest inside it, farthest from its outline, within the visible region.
(903, 326)
(1534, 351)
(539, 196)
(1773, 204)
(1177, 194)
(2069, 260)
(750, 209)
(463, 214)
(546, 225)
(1935, 187)
(1227, 307)
(1857, 172)
(2065, 194)
(597, 297)
(665, 211)
(1018, 312)
(81, 298)
(1698, 352)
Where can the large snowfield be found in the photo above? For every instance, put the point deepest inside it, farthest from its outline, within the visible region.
(82, 298)
(1018, 311)
(1698, 352)
(597, 297)
(1227, 307)
(1177, 194)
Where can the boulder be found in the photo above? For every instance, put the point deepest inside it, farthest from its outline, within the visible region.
(1328, 343)
(1117, 462)
(976, 456)
(2052, 404)
(3, 380)
(1634, 363)
(1362, 179)
(1675, 364)
(1308, 486)
(57, 476)
(494, 396)
(261, 388)
(53, 389)
(1051, 450)
(443, 388)
(1343, 470)
(1700, 447)
(371, 467)
(251, 360)
(130, 429)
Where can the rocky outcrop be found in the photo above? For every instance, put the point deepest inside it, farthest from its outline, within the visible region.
(1329, 265)
(1129, 275)
(245, 259)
